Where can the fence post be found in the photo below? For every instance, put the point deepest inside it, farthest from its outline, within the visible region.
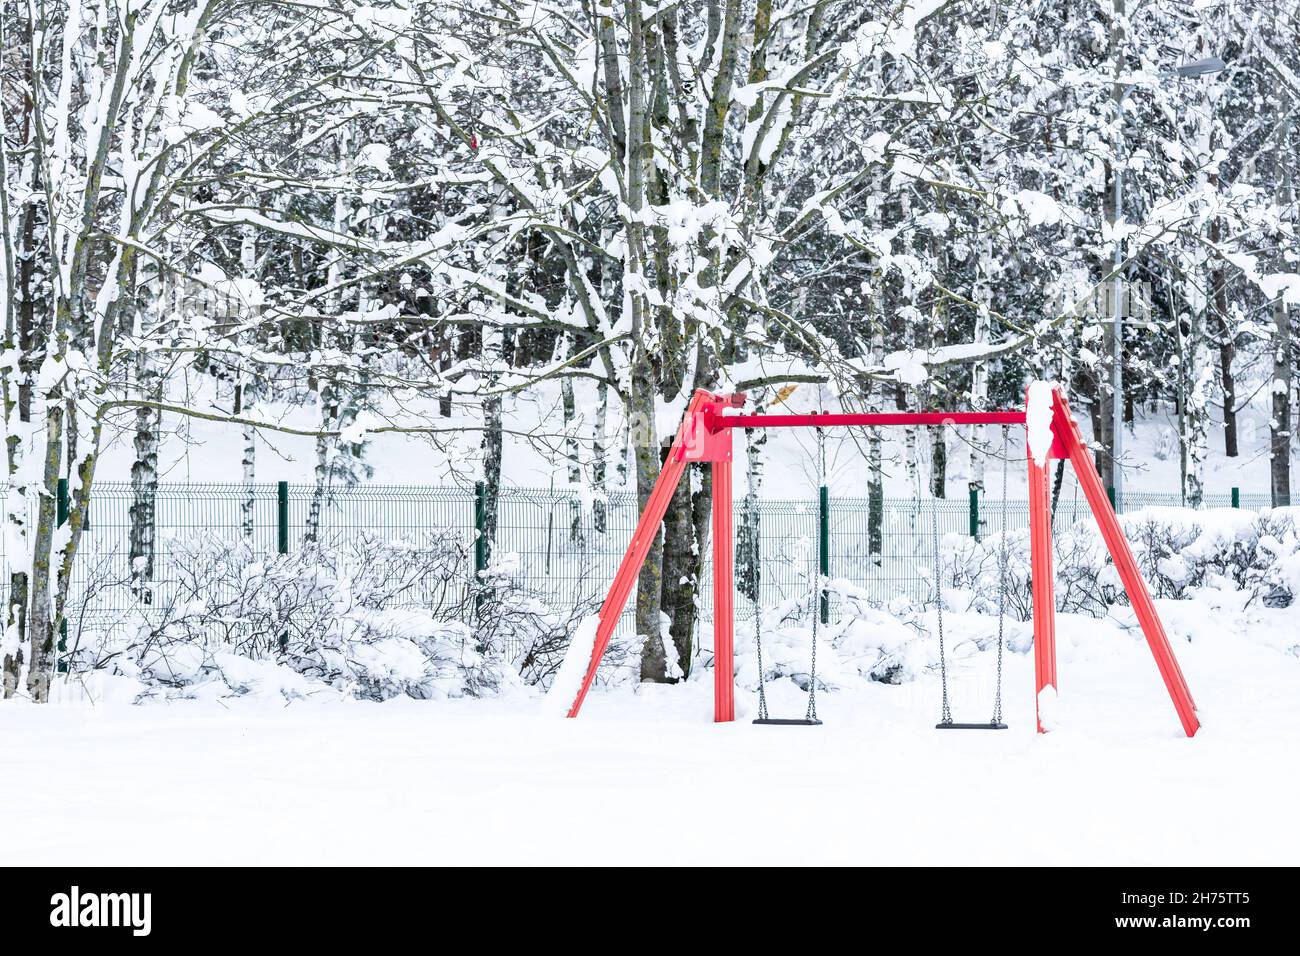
(480, 521)
(1236, 497)
(480, 543)
(61, 512)
(1110, 493)
(282, 516)
(824, 549)
(975, 512)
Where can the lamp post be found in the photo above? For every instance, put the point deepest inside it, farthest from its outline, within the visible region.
(1212, 64)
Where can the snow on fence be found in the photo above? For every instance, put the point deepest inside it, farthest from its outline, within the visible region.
(560, 547)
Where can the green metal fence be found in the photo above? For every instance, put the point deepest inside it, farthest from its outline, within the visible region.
(563, 547)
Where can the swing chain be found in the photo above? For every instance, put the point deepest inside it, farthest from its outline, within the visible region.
(811, 713)
(1002, 580)
(946, 715)
(751, 521)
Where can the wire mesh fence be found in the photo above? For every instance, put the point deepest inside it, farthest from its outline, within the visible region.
(564, 547)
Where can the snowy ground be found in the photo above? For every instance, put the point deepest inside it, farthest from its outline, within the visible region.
(645, 777)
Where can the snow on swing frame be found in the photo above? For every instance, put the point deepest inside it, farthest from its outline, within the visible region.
(1051, 432)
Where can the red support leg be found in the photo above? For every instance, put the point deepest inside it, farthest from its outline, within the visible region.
(724, 584)
(642, 538)
(1143, 607)
(1044, 598)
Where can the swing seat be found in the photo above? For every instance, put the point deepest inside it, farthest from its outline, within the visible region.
(986, 726)
(788, 722)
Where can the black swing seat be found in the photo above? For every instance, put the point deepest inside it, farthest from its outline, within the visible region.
(789, 722)
(987, 726)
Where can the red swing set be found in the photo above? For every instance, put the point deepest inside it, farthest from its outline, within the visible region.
(705, 435)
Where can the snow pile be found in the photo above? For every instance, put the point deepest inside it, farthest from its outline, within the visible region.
(568, 680)
(1049, 709)
(1038, 421)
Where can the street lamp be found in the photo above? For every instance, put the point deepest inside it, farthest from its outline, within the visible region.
(1202, 67)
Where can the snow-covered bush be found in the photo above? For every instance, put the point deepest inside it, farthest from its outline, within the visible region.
(888, 645)
(1084, 582)
(1222, 548)
(860, 641)
(865, 642)
(787, 634)
(372, 618)
(1177, 550)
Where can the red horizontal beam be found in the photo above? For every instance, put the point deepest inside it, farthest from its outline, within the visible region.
(1011, 417)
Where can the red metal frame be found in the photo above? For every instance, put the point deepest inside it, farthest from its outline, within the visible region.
(705, 435)
(826, 419)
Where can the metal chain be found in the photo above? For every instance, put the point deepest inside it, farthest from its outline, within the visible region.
(946, 716)
(1002, 579)
(751, 519)
(758, 642)
(811, 712)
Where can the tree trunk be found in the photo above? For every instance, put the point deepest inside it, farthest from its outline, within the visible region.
(875, 497)
(701, 513)
(681, 583)
(1280, 422)
(571, 454)
(492, 445)
(649, 585)
(1283, 372)
(939, 463)
(245, 401)
(325, 450)
(40, 617)
(142, 536)
(1227, 352)
(1226, 343)
(16, 517)
(749, 557)
(599, 465)
(1196, 429)
(1103, 418)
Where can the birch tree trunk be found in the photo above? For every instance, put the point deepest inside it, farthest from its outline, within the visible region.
(246, 396)
(1279, 425)
(142, 537)
(573, 460)
(245, 405)
(1283, 366)
(16, 395)
(1103, 419)
(1200, 379)
(599, 462)
(327, 403)
(491, 445)
(979, 373)
(875, 497)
